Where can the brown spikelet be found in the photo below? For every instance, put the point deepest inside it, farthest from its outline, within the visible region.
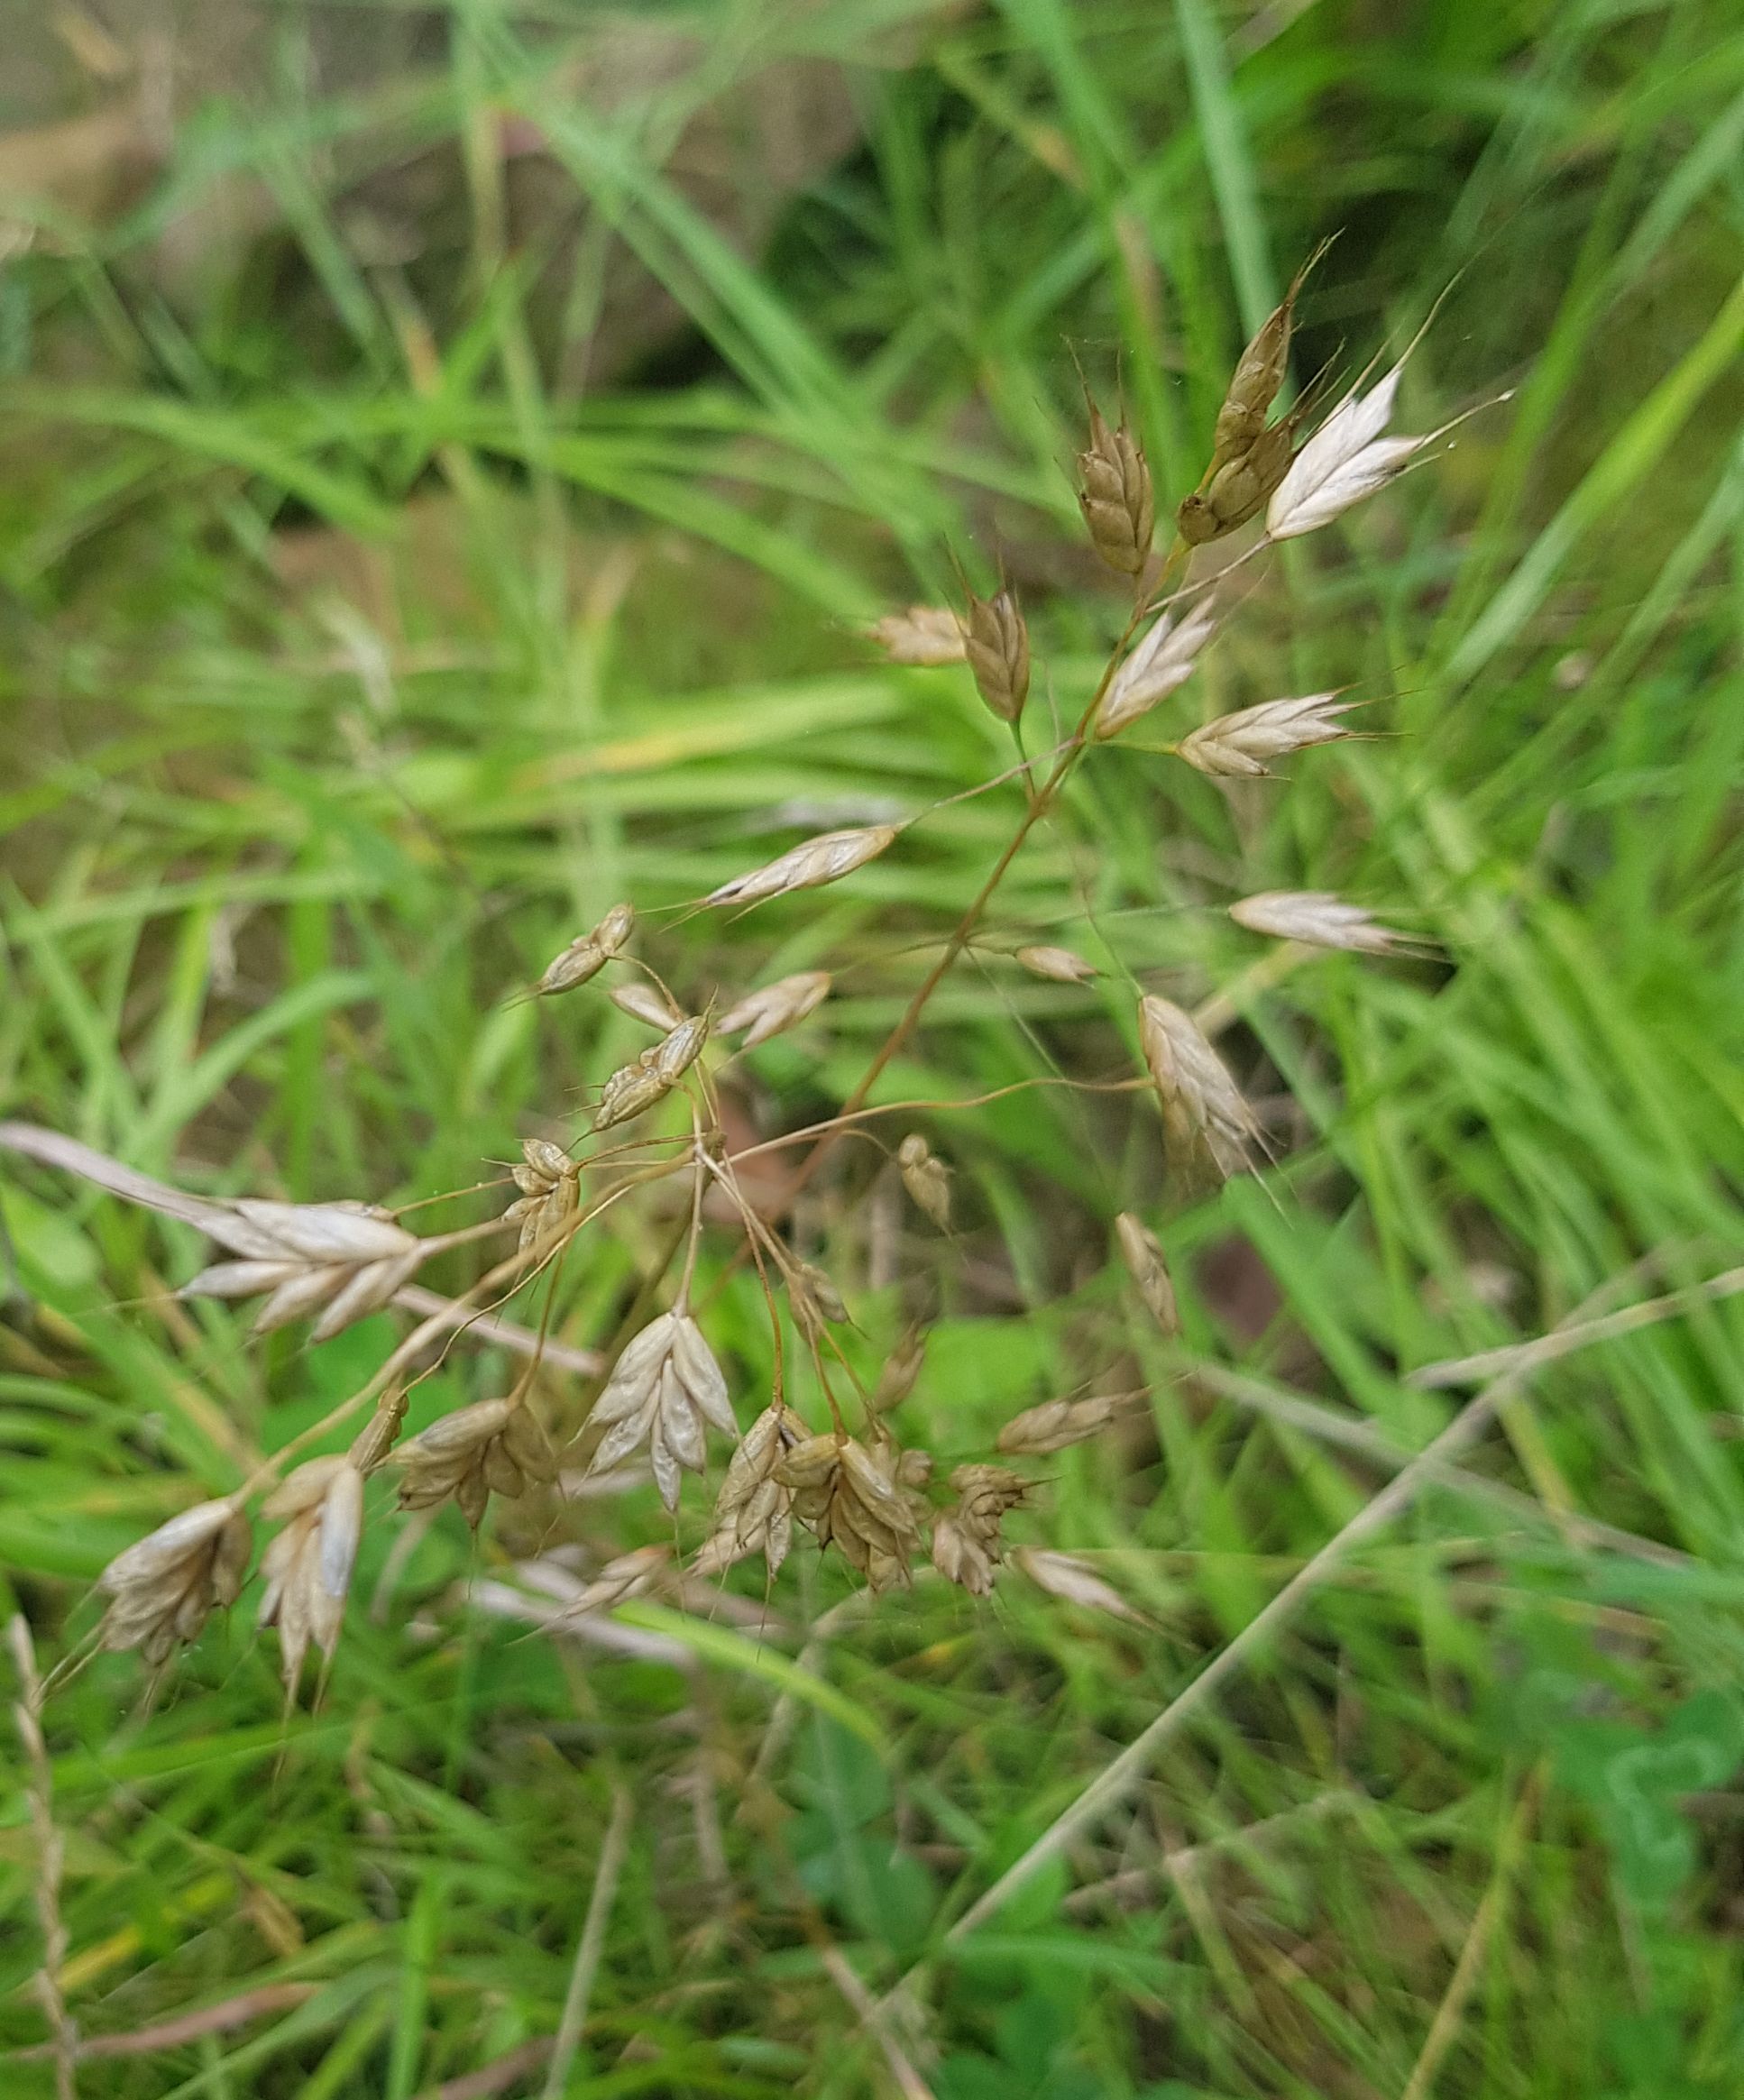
(493, 1446)
(549, 1182)
(1060, 966)
(824, 859)
(665, 1389)
(926, 1177)
(1201, 1103)
(307, 1564)
(1056, 1424)
(1141, 1251)
(855, 1499)
(162, 1590)
(1116, 497)
(998, 649)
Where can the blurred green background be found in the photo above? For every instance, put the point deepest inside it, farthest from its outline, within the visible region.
(448, 457)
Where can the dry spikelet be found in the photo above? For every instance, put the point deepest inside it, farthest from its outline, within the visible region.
(1163, 660)
(924, 634)
(900, 1368)
(997, 644)
(341, 1261)
(1116, 497)
(550, 1187)
(1059, 965)
(926, 1177)
(824, 859)
(633, 1089)
(307, 1564)
(644, 1003)
(629, 1574)
(857, 1500)
(783, 1004)
(1248, 459)
(1318, 917)
(1141, 1251)
(815, 1299)
(163, 1589)
(1236, 746)
(754, 1510)
(1074, 1582)
(664, 1390)
(1345, 460)
(1200, 1102)
(1056, 1424)
(966, 1543)
(588, 954)
(491, 1444)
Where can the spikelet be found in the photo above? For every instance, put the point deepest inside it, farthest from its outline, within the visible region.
(1141, 1251)
(856, 1500)
(588, 954)
(775, 1007)
(1059, 965)
(926, 1177)
(815, 1299)
(626, 1575)
(1056, 1424)
(663, 1391)
(997, 646)
(342, 1260)
(900, 1368)
(163, 1588)
(824, 859)
(549, 1182)
(1074, 1582)
(1345, 460)
(754, 1512)
(1236, 746)
(1116, 497)
(1201, 1103)
(925, 635)
(491, 1444)
(633, 1089)
(307, 1564)
(1163, 660)
(646, 1002)
(1249, 459)
(1319, 917)
(965, 1542)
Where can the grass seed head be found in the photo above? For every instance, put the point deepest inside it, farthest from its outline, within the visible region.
(644, 1003)
(998, 651)
(754, 1510)
(491, 1445)
(1141, 1251)
(1162, 661)
(162, 1588)
(1074, 1582)
(1319, 917)
(926, 1177)
(1347, 458)
(588, 954)
(1237, 747)
(775, 1007)
(927, 635)
(340, 1261)
(549, 1181)
(665, 1389)
(900, 1368)
(853, 1499)
(1201, 1103)
(1060, 966)
(815, 1299)
(1056, 1424)
(824, 859)
(307, 1564)
(1116, 497)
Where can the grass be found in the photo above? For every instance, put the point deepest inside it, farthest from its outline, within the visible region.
(360, 645)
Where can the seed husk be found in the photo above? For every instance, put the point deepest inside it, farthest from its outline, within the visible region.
(927, 635)
(823, 860)
(999, 648)
(1116, 496)
(926, 1177)
(1141, 1251)
(1201, 1103)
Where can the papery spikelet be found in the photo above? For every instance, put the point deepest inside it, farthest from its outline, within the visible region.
(926, 1177)
(924, 634)
(1074, 1582)
(854, 1499)
(307, 1564)
(1056, 1424)
(339, 1261)
(664, 1389)
(1347, 458)
(1162, 660)
(965, 1542)
(1116, 497)
(549, 1182)
(1318, 917)
(163, 1588)
(493, 1445)
(1236, 746)
(754, 1510)
(959, 1558)
(626, 1575)
(1141, 1251)
(635, 1089)
(589, 953)
(775, 1007)
(815, 1299)
(900, 1368)
(1059, 965)
(644, 1003)
(823, 860)
(999, 648)
(1201, 1103)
